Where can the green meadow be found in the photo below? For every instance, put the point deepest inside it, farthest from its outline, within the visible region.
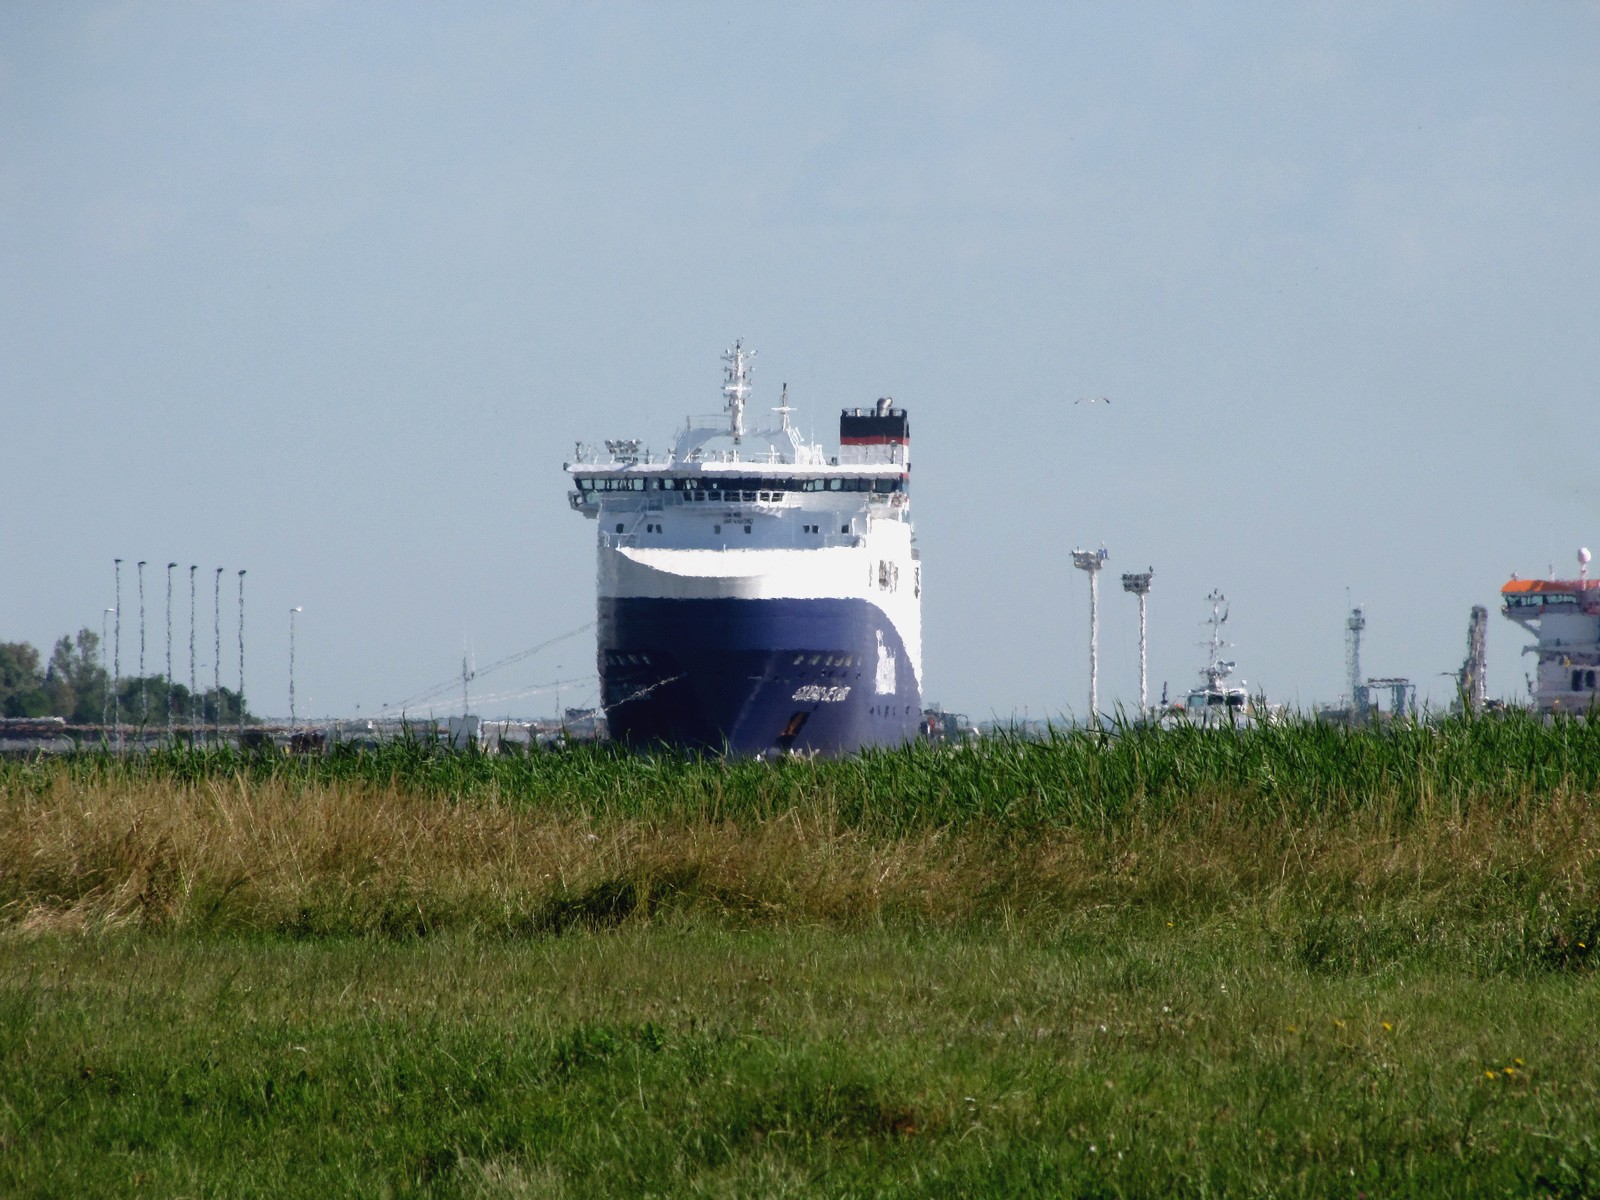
(1287, 960)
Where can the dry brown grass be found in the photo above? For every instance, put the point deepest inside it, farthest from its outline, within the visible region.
(360, 857)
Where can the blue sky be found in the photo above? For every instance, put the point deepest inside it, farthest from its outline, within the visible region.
(329, 290)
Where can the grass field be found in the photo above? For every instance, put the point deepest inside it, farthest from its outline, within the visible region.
(1283, 961)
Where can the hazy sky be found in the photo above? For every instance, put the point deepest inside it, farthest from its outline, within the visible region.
(328, 291)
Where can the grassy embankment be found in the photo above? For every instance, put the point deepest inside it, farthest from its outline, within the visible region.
(1289, 960)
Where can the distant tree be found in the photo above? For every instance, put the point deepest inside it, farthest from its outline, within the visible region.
(75, 686)
(223, 704)
(216, 706)
(22, 691)
(75, 681)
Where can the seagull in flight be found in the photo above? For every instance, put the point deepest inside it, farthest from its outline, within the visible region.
(1093, 400)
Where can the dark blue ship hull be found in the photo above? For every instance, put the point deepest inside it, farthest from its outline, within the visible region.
(755, 676)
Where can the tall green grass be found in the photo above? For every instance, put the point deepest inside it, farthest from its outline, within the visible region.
(1084, 779)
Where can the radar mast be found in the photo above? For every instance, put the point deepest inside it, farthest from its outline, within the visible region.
(736, 386)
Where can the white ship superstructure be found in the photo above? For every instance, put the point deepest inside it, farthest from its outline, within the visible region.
(755, 594)
(1564, 615)
(1215, 700)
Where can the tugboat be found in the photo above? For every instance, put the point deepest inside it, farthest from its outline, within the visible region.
(754, 594)
(1214, 701)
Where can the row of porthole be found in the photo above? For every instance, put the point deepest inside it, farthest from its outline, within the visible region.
(824, 660)
(620, 658)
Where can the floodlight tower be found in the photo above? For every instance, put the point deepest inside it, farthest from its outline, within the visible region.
(1138, 582)
(1091, 561)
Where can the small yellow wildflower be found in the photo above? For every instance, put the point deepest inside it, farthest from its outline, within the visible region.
(1519, 1062)
(1388, 1026)
(1488, 1074)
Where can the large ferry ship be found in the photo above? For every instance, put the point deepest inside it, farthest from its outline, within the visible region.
(754, 594)
(1564, 614)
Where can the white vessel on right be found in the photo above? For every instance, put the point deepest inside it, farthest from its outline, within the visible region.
(1215, 700)
(1564, 614)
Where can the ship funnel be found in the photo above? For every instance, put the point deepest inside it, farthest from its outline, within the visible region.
(879, 436)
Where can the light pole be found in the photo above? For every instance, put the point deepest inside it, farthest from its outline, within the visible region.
(194, 718)
(144, 702)
(241, 658)
(216, 654)
(1091, 561)
(1138, 582)
(293, 725)
(116, 666)
(105, 643)
(170, 565)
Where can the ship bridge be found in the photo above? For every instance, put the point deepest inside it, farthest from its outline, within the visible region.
(1564, 617)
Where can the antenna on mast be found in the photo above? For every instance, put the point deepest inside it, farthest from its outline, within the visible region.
(736, 385)
(783, 410)
(1217, 669)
